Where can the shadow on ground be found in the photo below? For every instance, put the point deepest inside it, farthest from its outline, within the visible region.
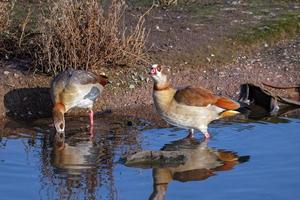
(28, 103)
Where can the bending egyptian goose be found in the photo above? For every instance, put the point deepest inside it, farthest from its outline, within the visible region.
(190, 107)
(75, 88)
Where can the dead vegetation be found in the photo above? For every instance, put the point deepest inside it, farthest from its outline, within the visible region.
(5, 9)
(16, 38)
(5, 22)
(81, 35)
(71, 34)
(167, 2)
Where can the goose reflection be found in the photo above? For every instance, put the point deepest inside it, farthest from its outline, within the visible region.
(81, 166)
(75, 162)
(72, 158)
(201, 162)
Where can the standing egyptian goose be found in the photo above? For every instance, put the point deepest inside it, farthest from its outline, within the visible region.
(75, 88)
(190, 107)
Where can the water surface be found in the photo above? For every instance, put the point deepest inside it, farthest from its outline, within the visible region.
(243, 160)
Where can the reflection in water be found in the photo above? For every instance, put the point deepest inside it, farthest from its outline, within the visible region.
(73, 166)
(83, 167)
(201, 162)
(76, 162)
(259, 113)
(73, 158)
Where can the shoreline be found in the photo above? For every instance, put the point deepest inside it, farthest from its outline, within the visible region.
(27, 94)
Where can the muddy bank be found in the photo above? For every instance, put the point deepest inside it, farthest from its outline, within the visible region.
(25, 95)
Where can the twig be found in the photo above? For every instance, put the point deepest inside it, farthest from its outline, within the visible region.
(281, 87)
(24, 24)
(136, 56)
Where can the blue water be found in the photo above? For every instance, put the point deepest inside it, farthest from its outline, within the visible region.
(31, 168)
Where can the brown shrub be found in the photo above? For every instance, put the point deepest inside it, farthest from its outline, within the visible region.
(5, 8)
(5, 12)
(81, 35)
(15, 37)
(167, 2)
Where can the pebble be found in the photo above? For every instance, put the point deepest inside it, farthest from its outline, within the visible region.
(247, 12)
(129, 123)
(235, 2)
(131, 86)
(142, 77)
(16, 75)
(222, 74)
(6, 72)
(228, 9)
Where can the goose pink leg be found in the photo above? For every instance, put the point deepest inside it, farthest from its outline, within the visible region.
(91, 123)
(91, 118)
(207, 135)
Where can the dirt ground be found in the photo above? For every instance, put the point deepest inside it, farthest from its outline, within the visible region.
(175, 35)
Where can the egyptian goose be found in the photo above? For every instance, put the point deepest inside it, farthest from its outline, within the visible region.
(190, 107)
(75, 88)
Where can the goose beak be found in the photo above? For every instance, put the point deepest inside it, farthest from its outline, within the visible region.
(153, 72)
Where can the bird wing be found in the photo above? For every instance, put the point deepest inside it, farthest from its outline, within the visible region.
(84, 78)
(71, 85)
(197, 96)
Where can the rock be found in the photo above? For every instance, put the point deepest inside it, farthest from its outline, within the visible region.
(131, 86)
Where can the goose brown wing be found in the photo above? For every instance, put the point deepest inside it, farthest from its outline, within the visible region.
(90, 78)
(197, 96)
(193, 96)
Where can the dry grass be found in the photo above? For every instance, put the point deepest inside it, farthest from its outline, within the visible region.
(81, 35)
(5, 10)
(5, 22)
(15, 36)
(167, 2)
